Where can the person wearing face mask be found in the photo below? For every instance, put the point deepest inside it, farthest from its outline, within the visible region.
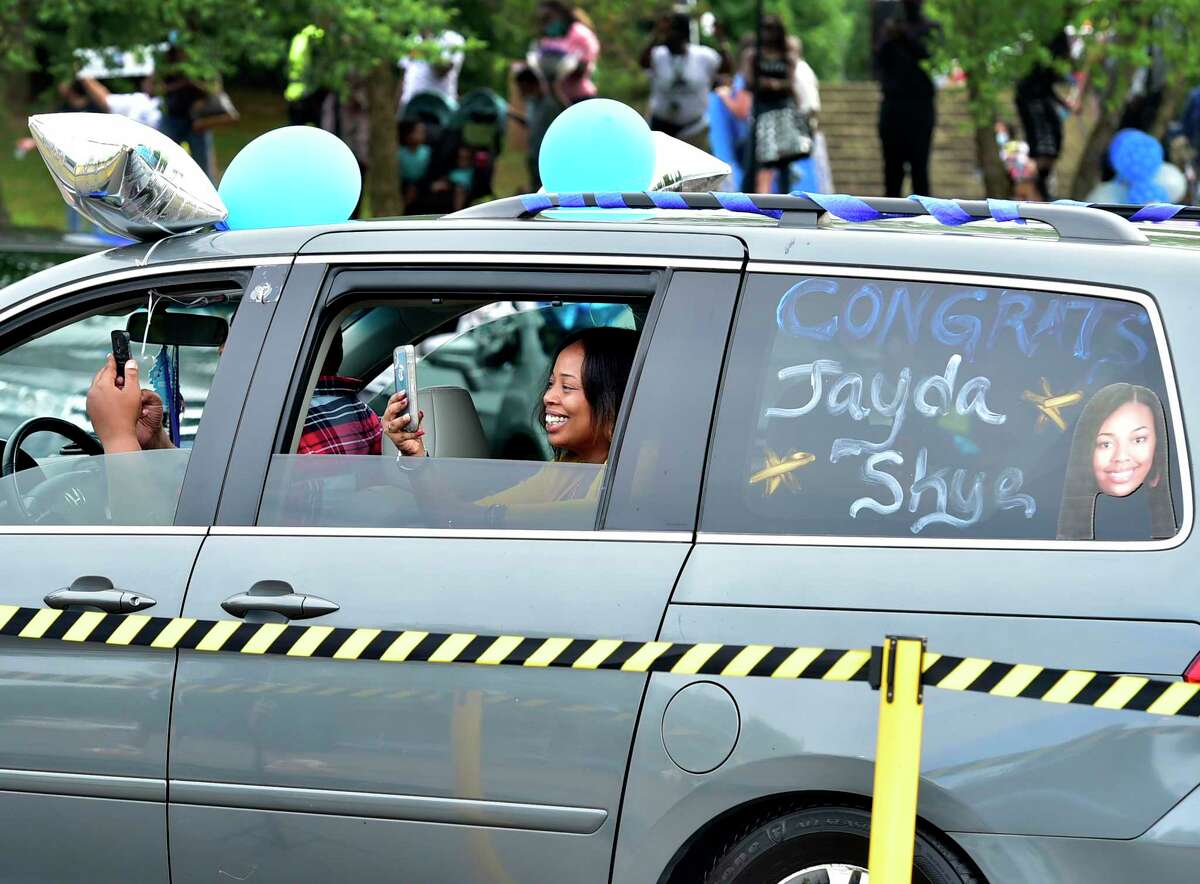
(566, 52)
(681, 75)
(578, 413)
(908, 111)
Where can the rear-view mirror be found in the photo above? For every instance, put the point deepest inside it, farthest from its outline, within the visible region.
(179, 329)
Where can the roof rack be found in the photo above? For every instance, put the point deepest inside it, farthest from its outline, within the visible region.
(1075, 223)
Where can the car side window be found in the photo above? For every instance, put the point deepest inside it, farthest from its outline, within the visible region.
(873, 407)
(517, 403)
(81, 448)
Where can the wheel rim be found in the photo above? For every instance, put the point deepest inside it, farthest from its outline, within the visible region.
(835, 873)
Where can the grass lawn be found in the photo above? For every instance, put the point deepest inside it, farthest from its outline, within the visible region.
(29, 193)
(34, 201)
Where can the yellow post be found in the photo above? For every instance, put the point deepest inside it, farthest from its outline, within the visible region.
(897, 761)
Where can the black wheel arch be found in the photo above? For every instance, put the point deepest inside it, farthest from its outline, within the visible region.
(693, 858)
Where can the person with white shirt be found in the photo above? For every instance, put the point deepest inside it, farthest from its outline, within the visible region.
(142, 106)
(682, 74)
(439, 75)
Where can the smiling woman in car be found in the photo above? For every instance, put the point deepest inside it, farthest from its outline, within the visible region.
(578, 412)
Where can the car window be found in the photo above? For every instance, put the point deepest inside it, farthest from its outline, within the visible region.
(52, 479)
(482, 371)
(883, 408)
(501, 353)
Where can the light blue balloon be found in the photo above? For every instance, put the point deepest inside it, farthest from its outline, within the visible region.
(291, 177)
(597, 146)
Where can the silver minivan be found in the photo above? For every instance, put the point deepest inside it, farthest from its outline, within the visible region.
(830, 432)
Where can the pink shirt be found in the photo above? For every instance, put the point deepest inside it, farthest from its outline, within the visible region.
(584, 45)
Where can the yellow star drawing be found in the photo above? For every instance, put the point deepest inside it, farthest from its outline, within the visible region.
(778, 471)
(1050, 404)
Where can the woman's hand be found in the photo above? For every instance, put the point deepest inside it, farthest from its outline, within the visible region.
(395, 424)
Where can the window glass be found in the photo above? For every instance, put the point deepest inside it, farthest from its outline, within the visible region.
(128, 468)
(515, 433)
(878, 408)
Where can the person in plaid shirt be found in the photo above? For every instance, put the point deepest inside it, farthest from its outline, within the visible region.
(337, 422)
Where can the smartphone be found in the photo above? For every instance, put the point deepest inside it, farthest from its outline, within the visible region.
(120, 351)
(404, 359)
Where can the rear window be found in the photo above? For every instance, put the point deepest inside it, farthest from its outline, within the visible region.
(875, 407)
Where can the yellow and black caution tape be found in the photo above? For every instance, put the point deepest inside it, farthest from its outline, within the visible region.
(414, 646)
(972, 674)
(1078, 687)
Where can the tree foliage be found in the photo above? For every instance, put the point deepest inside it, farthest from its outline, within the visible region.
(998, 43)
(363, 41)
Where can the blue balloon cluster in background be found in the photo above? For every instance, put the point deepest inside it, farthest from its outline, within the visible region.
(1138, 160)
(1147, 192)
(598, 145)
(1135, 155)
(290, 177)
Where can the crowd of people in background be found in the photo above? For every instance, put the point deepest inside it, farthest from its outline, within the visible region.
(752, 100)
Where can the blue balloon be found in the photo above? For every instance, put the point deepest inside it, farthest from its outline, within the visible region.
(1135, 155)
(597, 146)
(291, 177)
(1143, 192)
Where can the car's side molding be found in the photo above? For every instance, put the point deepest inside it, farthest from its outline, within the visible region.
(377, 805)
(45, 782)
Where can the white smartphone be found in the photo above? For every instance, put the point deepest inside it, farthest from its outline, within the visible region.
(404, 359)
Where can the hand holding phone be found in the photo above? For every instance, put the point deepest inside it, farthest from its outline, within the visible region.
(404, 360)
(120, 352)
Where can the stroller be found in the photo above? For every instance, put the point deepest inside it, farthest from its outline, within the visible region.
(477, 137)
(434, 111)
(464, 140)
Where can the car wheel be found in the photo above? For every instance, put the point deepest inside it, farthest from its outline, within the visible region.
(822, 845)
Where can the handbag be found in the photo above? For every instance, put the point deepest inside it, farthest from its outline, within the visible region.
(782, 135)
(216, 109)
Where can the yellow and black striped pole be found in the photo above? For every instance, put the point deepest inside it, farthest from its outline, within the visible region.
(897, 760)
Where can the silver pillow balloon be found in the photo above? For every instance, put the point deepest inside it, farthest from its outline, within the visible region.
(129, 179)
(680, 166)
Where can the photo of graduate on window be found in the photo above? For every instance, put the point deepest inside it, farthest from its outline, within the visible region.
(1118, 482)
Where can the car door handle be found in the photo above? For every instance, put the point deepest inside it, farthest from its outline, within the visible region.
(98, 593)
(293, 606)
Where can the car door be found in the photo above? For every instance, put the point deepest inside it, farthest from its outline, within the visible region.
(312, 769)
(83, 721)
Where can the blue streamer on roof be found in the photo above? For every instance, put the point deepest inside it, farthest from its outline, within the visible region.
(1005, 210)
(946, 212)
(666, 199)
(1157, 212)
(740, 202)
(844, 206)
(536, 202)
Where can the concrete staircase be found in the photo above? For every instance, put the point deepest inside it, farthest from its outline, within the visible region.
(849, 119)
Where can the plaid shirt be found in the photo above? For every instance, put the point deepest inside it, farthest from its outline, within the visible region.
(337, 422)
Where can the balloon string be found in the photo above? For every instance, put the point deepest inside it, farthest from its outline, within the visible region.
(154, 245)
(151, 303)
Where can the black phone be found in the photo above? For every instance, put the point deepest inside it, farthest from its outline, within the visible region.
(120, 350)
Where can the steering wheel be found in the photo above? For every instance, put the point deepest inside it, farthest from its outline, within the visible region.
(47, 492)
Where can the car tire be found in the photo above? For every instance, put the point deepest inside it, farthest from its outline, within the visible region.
(827, 843)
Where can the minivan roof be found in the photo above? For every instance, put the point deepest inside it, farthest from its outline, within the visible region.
(752, 226)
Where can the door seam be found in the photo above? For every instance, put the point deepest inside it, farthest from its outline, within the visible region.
(171, 710)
